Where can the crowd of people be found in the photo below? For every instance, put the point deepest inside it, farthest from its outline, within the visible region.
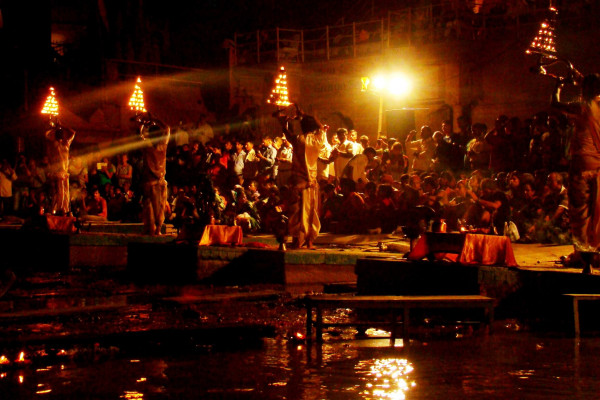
(508, 179)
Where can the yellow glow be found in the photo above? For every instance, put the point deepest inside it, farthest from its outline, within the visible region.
(400, 85)
(365, 83)
(389, 379)
(21, 357)
(142, 379)
(51, 104)
(378, 82)
(3, 375)
(136, 101)
(4, 360)
(279, 94)
(43, 391)
(21, 379)
(132, 395)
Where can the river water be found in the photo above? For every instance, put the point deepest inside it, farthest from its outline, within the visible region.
(507, 364)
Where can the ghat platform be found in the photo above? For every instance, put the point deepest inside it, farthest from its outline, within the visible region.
(352, 262)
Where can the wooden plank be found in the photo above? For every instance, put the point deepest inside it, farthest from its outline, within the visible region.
(221, 297)
(46, 312)
(582, 296)
(320, 302)
(400, 301)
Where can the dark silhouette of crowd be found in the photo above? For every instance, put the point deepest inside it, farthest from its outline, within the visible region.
(506, 179)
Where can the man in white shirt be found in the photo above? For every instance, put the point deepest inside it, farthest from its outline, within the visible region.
(204, 132)
(422, 150)
(342, 153)
(359, 166)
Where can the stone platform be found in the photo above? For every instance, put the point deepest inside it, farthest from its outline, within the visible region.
(349, 262)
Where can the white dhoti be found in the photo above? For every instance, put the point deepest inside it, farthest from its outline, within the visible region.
(154, 206)
(61, 201)
(304, 224)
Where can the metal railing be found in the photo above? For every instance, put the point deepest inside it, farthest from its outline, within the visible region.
(408, 27)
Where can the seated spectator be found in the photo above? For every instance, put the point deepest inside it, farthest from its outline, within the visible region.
(331, 210)
(106, 171)
(454, 213)
(116, 204)
(528, 215)
(494, 210)
(124, 171)
(358, 167)
(386, 212)
(96, 208)
(556, 203)
(246, 214)
(394, 161)
(352, 218)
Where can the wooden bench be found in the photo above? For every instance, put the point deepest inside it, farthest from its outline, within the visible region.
(576, 299)
(392, 303)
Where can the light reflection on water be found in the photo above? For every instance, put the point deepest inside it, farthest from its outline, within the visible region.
(500, 366)
(387, 378)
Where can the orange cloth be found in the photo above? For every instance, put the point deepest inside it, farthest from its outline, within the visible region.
(476, 249)
(487, 250)
(221, 234)
(61, 224)
(438, 244)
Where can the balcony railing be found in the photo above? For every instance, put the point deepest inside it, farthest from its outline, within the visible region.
(409, 27)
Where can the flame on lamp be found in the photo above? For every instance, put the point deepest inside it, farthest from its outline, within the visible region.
(136, 101)
(544, 42)
(279, 94)
(51, 104)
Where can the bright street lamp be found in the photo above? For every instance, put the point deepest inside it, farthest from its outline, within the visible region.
(397, 85)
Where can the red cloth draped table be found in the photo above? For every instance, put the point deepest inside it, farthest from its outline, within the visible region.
(61, 224)
(221, 234)
(467, 249)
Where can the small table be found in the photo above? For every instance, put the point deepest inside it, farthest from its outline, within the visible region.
(471, 248)
(393, 304)
(576, 298)
(61, 224)
(221, 234)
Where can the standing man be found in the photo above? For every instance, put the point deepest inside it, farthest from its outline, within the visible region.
(238, 158)
(155, 135)
(584, 172)
(7, 177)
(59, 142)
(304, 224)
(342, 152)
(266, 158)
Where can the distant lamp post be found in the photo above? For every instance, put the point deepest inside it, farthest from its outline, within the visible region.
(279, 94)
(396, 85)
(51, 105)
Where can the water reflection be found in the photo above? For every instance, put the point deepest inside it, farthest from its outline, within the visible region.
(513, 365)
(387, 378)
(132, 395)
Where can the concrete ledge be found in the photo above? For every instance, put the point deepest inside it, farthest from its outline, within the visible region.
(532, 295)
(186, 263)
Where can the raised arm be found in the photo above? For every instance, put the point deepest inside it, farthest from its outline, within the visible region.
(568, 108)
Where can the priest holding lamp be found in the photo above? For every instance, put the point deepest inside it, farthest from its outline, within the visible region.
(155, 137)
(59, 139)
